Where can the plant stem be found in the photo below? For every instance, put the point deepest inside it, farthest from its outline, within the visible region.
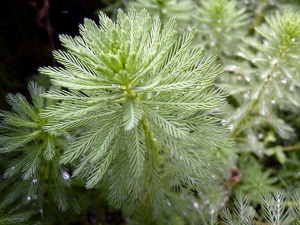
(291, 148)
(252, 106)
(149, 137)
(161, 14)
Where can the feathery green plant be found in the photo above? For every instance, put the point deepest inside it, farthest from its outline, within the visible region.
(138, 119)
(274, 208)
(149, 105)
(182, 10)
(13, 214)
(220, 26)
(34, 170)
(261, 87)
(276, 59)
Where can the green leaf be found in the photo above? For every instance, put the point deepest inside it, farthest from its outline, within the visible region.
(280, 154)
(132, 115)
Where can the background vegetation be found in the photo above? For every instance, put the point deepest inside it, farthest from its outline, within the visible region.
(261, 72)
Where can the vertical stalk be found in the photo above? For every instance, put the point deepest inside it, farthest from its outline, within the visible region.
(161, 14)
(150, 140)
(253, 105)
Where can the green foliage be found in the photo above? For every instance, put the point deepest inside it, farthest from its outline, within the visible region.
(274, 208)
(148, 103)
(254, 179)
(33, 171)
(243, 212)
(12, 214)
(220, 24)
(138, 119)
(182, 10)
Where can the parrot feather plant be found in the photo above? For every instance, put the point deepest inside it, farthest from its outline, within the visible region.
(34, 175)
(148, 107)
(136, 118)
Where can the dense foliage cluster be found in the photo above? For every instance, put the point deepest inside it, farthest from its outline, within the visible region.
(142, 118)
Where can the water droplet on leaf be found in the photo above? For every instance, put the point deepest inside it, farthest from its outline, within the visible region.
(196, 205)
(65, 175)
(240, 54)
(116, 86)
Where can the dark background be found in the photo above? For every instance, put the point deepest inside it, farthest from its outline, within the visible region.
(29, 31)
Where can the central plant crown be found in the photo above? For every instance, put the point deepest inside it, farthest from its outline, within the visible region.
(145, 101)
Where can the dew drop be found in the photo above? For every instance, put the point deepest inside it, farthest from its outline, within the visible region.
(293, 39)
(230, 127)
(239, 78)
(28, 198)
(274, 62)
(212, 212)
(266, 42)
(240, 54)
(116, 86)
(34, 180)
(273, 101)
(260, 136)
(196, 205)
(41, 211)
(65, 175)
(283, 81)
(35, 197)
(232, 68)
